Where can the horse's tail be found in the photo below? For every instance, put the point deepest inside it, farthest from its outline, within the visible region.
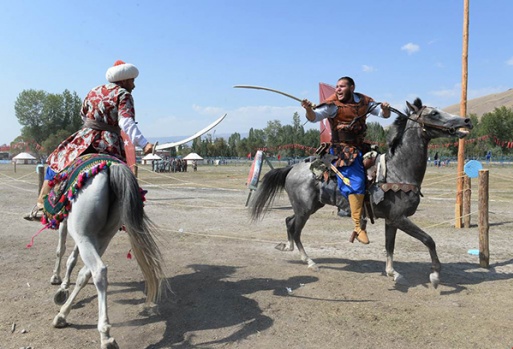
(272, 183)
(140, 229)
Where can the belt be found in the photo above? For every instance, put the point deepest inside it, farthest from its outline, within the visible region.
(101, 126)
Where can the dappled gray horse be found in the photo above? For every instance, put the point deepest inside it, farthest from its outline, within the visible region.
(406, 161)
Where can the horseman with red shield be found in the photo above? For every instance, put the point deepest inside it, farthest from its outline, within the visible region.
(347, 112)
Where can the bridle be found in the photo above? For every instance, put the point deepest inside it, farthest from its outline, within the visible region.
(420, 120)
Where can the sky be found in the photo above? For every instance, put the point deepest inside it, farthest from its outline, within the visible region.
(191, 53)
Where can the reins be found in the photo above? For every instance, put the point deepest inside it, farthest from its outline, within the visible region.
(420, 121)
(450, 130)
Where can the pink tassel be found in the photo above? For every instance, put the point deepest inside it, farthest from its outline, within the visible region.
(33, 237)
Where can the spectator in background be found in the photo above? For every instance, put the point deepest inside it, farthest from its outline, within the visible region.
(488, 156)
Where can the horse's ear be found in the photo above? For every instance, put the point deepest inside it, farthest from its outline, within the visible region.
(418, 103)
(413, 108)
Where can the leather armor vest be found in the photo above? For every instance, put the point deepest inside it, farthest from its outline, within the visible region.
(344, 127)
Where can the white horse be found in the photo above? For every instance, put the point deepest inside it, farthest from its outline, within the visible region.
(104, 203)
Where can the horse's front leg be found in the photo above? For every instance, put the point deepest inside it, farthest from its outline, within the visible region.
(413, 230)
(390, 234)
(61, 249)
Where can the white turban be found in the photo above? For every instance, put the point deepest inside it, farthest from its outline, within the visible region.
(121, 71)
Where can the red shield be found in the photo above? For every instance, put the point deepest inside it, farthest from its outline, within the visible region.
(130, 152)
(325, 91)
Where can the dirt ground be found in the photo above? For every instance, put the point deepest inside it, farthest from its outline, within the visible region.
(233, 289)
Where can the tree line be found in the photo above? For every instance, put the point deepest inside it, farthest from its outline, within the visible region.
(47, 119)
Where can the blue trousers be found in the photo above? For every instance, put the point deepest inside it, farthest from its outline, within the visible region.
(50, 174)
(356, 175)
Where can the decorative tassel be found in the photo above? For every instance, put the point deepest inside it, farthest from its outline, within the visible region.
(81, 180)
(33, 237)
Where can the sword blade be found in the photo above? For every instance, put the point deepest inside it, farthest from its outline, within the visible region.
(188, 139)
(268, 89)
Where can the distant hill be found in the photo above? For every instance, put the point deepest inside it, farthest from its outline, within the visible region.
(485, 104)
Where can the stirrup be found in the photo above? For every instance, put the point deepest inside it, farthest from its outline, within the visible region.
(35, 215)
(354, 235)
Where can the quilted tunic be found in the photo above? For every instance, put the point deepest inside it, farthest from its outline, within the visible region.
(105, 104)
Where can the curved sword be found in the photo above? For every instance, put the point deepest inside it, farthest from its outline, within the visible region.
(271, 90)
(186, 140)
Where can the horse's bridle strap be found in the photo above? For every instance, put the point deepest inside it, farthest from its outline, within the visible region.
(419, 120)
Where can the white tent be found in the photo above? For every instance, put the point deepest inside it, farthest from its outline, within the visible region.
(24, 158)
(149, 158)
(193, 157)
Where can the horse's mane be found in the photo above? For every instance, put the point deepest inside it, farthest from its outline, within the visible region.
(395, 135)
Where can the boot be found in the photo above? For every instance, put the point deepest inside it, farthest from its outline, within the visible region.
(45, 189)
(356, 204)
(36, 213)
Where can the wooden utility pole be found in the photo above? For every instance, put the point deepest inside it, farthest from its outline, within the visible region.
(463, 113)
(484, 246)
(467, 195)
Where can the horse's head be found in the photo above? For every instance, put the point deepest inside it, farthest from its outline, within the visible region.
(438, 123)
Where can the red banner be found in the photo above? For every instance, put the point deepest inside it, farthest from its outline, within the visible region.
(325, 91)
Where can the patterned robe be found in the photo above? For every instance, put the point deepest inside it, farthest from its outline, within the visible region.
(105, 104)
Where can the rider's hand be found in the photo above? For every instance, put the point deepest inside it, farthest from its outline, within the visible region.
(310, 114)
(305, 103)
(385, 109)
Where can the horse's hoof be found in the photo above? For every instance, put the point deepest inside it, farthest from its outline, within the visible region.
(110, 344)
(434, 277)
(313, 267)
(59, 321)
(55, 280)
(61, 296)
(280, 246)
(399, 279)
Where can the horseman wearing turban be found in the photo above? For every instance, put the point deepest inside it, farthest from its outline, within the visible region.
(106, 110)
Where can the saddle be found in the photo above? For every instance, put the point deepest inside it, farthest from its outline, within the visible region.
(376, 184)
(324, 170)
(68, 182)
